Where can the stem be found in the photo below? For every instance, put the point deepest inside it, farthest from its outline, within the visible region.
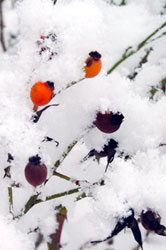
(10, 194)
(69, 148)
(54, 196)
(157, 37)
(72, 180)
(37, 114)
(55, 237)
(33, 200)
(143, 61)
(139, 46)
(118, 63)
(54, 2)
(2, 28)
(123, 2)
(65, 177)
(68, 86)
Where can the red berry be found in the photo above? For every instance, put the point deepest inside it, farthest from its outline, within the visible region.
(108, 122)
(35, 171)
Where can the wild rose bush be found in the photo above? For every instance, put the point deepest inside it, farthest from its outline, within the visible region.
(50, 41)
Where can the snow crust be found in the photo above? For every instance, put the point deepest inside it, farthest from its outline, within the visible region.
(82, 26)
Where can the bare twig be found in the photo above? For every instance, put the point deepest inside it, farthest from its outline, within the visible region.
(123, 3)
(10, 194)
(37, 114)
(39, 239)
(34, 199)
(54, 2)
(143, 61)
(2, 28)
(129, 51)
(69, 148)
(55, 237)
(72, 180)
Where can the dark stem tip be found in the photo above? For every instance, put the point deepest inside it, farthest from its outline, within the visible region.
(35, 160)
(50, 85)
(117, 118)
(95, 55)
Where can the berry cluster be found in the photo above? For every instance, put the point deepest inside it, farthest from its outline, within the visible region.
(41, 94)
(107, 122)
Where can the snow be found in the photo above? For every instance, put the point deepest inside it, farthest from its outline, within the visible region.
(79, 27)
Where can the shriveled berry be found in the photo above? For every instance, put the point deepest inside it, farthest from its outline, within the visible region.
(47, 45)
(150, 220)
(35, 171)
(109, 150)
(108, 122)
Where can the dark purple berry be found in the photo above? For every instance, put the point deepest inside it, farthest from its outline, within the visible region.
(35, 171)
(150, 220)
(108, 122)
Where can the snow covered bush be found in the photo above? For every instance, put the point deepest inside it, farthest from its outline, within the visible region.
(53, 43)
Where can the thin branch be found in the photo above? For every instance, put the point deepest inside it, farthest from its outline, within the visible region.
(10, 194)
(143, 61)
(123, 3)
(39, 240)
(55, 237)
(128, 52)
(65, 154)
(33, 200)
(54, 196)
(37, 114)
(54, 2)
(65, 177)
(2, 28)
(157, 37)
(72, 180)
(68, 86)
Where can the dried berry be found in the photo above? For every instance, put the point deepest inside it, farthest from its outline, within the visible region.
(109, 150)
(47, 45)
(151, 222)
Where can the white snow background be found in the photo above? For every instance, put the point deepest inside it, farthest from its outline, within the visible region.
(82, 26)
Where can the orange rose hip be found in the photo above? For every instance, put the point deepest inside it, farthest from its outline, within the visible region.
(41, 93)
(93, 64)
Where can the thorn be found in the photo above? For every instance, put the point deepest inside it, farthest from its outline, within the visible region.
(37, 114)
(48, 139)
